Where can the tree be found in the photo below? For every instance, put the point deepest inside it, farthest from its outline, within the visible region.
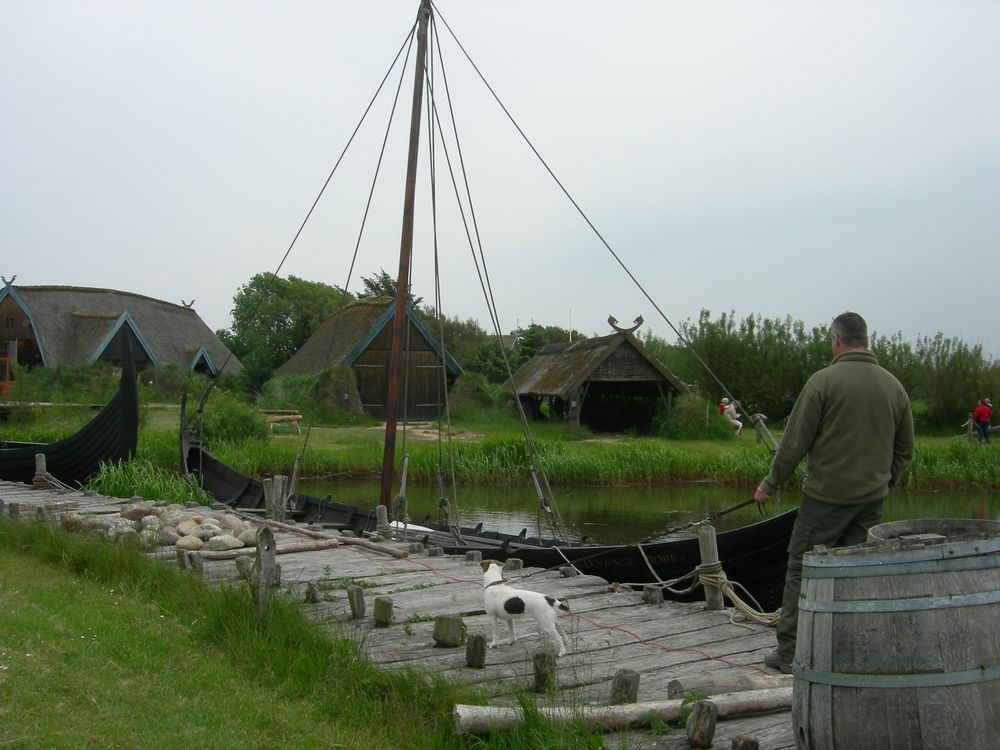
(273, 318)
(382, 284)
(459, 337)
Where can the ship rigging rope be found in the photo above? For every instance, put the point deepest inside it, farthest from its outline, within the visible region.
(680, 336)
(406, 45)
(444, 435)
(543, 490)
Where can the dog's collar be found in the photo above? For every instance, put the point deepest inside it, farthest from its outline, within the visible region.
(497, 583)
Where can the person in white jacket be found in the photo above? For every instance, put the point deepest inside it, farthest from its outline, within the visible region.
(729, 412)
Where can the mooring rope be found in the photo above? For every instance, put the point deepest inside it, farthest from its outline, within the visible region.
(712, 574)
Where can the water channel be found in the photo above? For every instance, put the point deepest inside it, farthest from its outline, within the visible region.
(619, 515)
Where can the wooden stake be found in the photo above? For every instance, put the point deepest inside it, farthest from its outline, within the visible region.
(709, 549)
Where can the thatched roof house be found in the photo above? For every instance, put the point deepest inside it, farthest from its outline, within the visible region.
(608, 383)
(49, 326)
(359, 336)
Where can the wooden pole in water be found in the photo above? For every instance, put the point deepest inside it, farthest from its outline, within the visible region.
(405, 248)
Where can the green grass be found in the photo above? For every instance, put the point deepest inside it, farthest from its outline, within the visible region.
(103, 647)
(491, 449)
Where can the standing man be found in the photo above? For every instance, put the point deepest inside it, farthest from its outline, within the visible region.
(852, 422)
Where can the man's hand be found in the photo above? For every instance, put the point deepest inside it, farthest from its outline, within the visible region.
(760, 496)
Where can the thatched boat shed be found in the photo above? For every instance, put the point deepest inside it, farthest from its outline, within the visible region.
(359, 336)
(608, 383)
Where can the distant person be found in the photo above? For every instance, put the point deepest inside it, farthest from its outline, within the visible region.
(853, 424)
(788, 403)
(981, 416)
(728, 410)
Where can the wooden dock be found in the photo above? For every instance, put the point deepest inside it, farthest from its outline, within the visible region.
(670, 645)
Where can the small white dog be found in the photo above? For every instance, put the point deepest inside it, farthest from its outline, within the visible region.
(506, 603)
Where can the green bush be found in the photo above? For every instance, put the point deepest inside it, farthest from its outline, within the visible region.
(86, 384)
(691, 418)
(227, 418)
(319, 397)
(472, 394)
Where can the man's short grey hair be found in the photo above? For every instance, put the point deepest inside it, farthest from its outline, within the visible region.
(851, 328)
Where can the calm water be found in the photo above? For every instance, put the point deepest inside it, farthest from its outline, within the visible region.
(621, 515)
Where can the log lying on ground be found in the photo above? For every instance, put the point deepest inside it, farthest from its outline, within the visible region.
(312, 534)
(709, 685)
(485, 719)
(294, 547)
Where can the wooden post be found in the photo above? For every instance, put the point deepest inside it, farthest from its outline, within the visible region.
(291, 495)
(279, 497)
(312, 593)
(382, 611)
(195, 561)
(268, 484)
(512, 564)
(742, 742)
(356, 598)
(14, 510)
(709, 549)
(652, 594)
(244, 567)
(624, 687)
(266, 572)
(40, 471)
(475, 651)
(474, 555)
(700, 728)
(382, 521)
(544, 664)
(449, 631)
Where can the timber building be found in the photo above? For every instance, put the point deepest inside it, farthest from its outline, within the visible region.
(608, 383)
(359, 336)
(48, 326)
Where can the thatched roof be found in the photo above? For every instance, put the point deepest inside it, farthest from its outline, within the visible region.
(561, 369)
(73, 325)
(344, 336)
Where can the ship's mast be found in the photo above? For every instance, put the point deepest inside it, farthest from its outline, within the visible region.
(399, 320)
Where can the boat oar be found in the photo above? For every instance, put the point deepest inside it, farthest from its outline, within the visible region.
(706, 519)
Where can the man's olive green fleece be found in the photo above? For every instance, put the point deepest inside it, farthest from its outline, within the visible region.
(853, 424)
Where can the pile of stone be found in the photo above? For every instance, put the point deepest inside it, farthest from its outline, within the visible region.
(155, 524)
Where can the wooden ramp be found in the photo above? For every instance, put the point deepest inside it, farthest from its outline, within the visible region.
(608, 629)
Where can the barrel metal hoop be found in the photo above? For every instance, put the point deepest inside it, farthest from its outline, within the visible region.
(930, 679)
(914, 604)
(902, 568)
(874, 556)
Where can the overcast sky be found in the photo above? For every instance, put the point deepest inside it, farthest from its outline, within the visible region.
(785, 158)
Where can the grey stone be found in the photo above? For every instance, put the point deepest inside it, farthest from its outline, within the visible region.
(190, 542)
(223, 542)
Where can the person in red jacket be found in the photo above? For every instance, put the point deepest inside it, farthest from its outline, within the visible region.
(981, 418)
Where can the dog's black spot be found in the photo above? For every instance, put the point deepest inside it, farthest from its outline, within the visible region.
(552, 602)
(514, 606)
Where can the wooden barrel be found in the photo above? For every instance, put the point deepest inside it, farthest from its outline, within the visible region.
(953, 528)
(899, 643)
